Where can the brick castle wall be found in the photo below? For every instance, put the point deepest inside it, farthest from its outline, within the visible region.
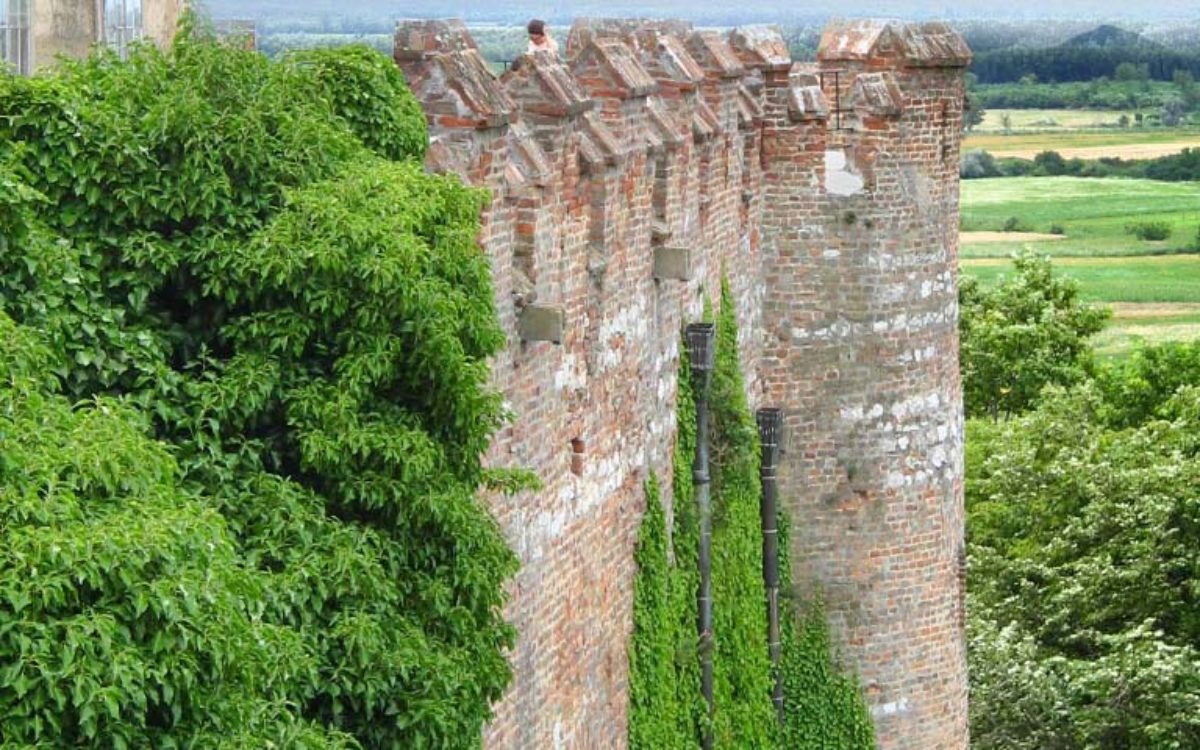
(625, 179)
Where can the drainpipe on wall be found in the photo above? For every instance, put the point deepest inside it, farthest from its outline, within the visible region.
(701, 350)
(770, 423)
(99, 21)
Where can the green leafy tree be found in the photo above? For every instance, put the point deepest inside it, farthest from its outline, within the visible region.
(1136, 388)
(254, 265)
(1084, 576)
(129, 617)
(1029, 331)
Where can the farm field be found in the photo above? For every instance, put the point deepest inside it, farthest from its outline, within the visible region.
(1091, 212)
(1153, 287)
(1125, 144)
(1049, 119)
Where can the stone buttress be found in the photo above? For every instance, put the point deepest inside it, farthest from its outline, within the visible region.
(625, 179)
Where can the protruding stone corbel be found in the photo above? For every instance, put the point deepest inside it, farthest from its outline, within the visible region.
(541, 323)
(672, 262)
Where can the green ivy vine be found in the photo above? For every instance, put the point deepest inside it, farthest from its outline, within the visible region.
(743, 714)
(824, 710)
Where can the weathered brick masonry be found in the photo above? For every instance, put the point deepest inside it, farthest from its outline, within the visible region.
(625, 178)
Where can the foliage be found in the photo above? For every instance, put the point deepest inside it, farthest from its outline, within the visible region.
(1084, 62)
(1014, 224)
(368, 90)
(1149, 230)
(685, 540)
(1049, 163)
(1091, 93)
(238, 255)
(744, 715)
(823, 710)
(1136, 388)
(129, 616)
(1180, 167)
(1085, 574)
(654, 709)
(974, 112)
(977, 163)
(1025, 333)
(666, 708)
(276, 45)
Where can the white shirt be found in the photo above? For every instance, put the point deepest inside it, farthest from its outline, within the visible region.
(548, 45)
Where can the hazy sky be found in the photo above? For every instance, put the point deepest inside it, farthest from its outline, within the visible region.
(748, 10)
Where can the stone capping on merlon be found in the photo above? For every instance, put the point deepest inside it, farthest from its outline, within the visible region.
(667, 63)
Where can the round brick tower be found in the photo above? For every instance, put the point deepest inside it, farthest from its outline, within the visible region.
(860, 243)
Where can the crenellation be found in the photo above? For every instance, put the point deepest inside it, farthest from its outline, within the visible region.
(627, 178)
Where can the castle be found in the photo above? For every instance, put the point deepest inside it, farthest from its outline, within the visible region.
(625, 180)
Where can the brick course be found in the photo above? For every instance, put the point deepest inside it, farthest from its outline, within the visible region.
(651, 138)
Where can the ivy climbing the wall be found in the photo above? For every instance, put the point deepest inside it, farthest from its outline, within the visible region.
(824, 710)
(653, 709)
(666, 708)
(235, 258)
(744, 717)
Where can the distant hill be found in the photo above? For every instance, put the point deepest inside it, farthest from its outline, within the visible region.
(1086, 56)
(1108, 36)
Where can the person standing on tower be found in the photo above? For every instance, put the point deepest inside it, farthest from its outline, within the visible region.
(539, 38)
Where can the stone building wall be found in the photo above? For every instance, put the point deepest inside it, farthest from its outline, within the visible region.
(72, 28)
(625, 179)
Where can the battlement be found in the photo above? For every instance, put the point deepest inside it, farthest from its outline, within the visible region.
(626, 177)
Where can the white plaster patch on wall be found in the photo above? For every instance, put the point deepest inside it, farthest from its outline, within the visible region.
(938, 457)
(918, 407)
(571, 376)
(632, 323)
(900, 323)
(891, 708)
(575, 501)
(839, 180)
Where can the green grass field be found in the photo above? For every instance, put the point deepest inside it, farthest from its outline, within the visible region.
(1153, 286)
(1143, 279)
(1092, 213)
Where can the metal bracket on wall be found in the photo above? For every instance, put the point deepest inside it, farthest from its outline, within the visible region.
(837, 94)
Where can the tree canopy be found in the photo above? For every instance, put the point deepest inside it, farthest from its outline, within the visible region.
(264, 520)
(1028, 331)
